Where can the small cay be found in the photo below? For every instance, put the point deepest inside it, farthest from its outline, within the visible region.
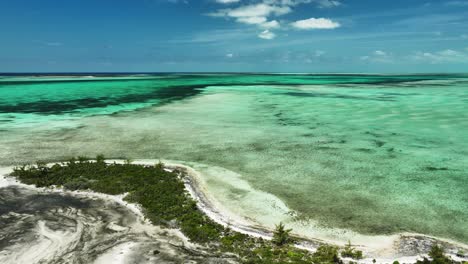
(167, 199)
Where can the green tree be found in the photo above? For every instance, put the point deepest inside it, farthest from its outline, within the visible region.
(437, 255)
(281, 235)
(100, 158)
(326, 254)
(350, 252)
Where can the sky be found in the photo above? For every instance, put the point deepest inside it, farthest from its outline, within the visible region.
(359, 36)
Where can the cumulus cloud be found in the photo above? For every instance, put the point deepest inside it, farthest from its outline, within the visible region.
(252, 20)
(256, 10)
(315, 23)
(260, 13)
(267, 34)
(256, 14)
(270, 24)
(229, 55)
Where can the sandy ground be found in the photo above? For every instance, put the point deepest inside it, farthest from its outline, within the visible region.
(86, 227)
(406, 247)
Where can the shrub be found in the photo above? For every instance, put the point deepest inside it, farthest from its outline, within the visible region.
(165, 202)
(327, 254)
(350, 252)
(281, 235)
(437, 257)
(100, 158)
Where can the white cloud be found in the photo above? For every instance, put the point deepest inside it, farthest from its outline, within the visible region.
(229, 55)
(227, 1)
(252, 20)
(256, 14)
(258, 10)
(315, 23)
(267, 34)
(380, 53)
(270, 24)
(444, 56)
(319, 3)
(328, 3)
(379, 56)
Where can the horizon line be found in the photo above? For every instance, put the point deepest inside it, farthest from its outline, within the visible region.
(227, 72)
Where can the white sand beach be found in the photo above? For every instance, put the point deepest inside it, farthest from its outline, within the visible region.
(384, 249)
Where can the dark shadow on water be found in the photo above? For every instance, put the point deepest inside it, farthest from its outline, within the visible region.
(165, 95)
(338, 96)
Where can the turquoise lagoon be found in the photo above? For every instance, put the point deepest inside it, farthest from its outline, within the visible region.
(366, 154)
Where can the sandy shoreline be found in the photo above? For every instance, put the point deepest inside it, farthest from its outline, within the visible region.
(406, 248)
(224, 217)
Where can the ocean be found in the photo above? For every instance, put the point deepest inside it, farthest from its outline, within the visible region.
(334, 156)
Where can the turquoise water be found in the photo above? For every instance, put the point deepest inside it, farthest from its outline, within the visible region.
(373, 154)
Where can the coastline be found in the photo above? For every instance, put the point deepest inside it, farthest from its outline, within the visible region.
(405, 247)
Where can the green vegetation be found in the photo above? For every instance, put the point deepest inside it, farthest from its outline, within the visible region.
(161, 193)
(437, 257)
(281, 236)
(327, 254)
(350, 252)
(165, 202)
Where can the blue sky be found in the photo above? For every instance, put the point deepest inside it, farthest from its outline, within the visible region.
(234, 35)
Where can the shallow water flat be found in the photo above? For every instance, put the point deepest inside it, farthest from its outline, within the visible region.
(375, 154)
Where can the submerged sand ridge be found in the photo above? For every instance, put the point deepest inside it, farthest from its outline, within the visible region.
(404, 247)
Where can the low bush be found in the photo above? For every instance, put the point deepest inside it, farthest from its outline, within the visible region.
(165, 202)
(350, 252)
